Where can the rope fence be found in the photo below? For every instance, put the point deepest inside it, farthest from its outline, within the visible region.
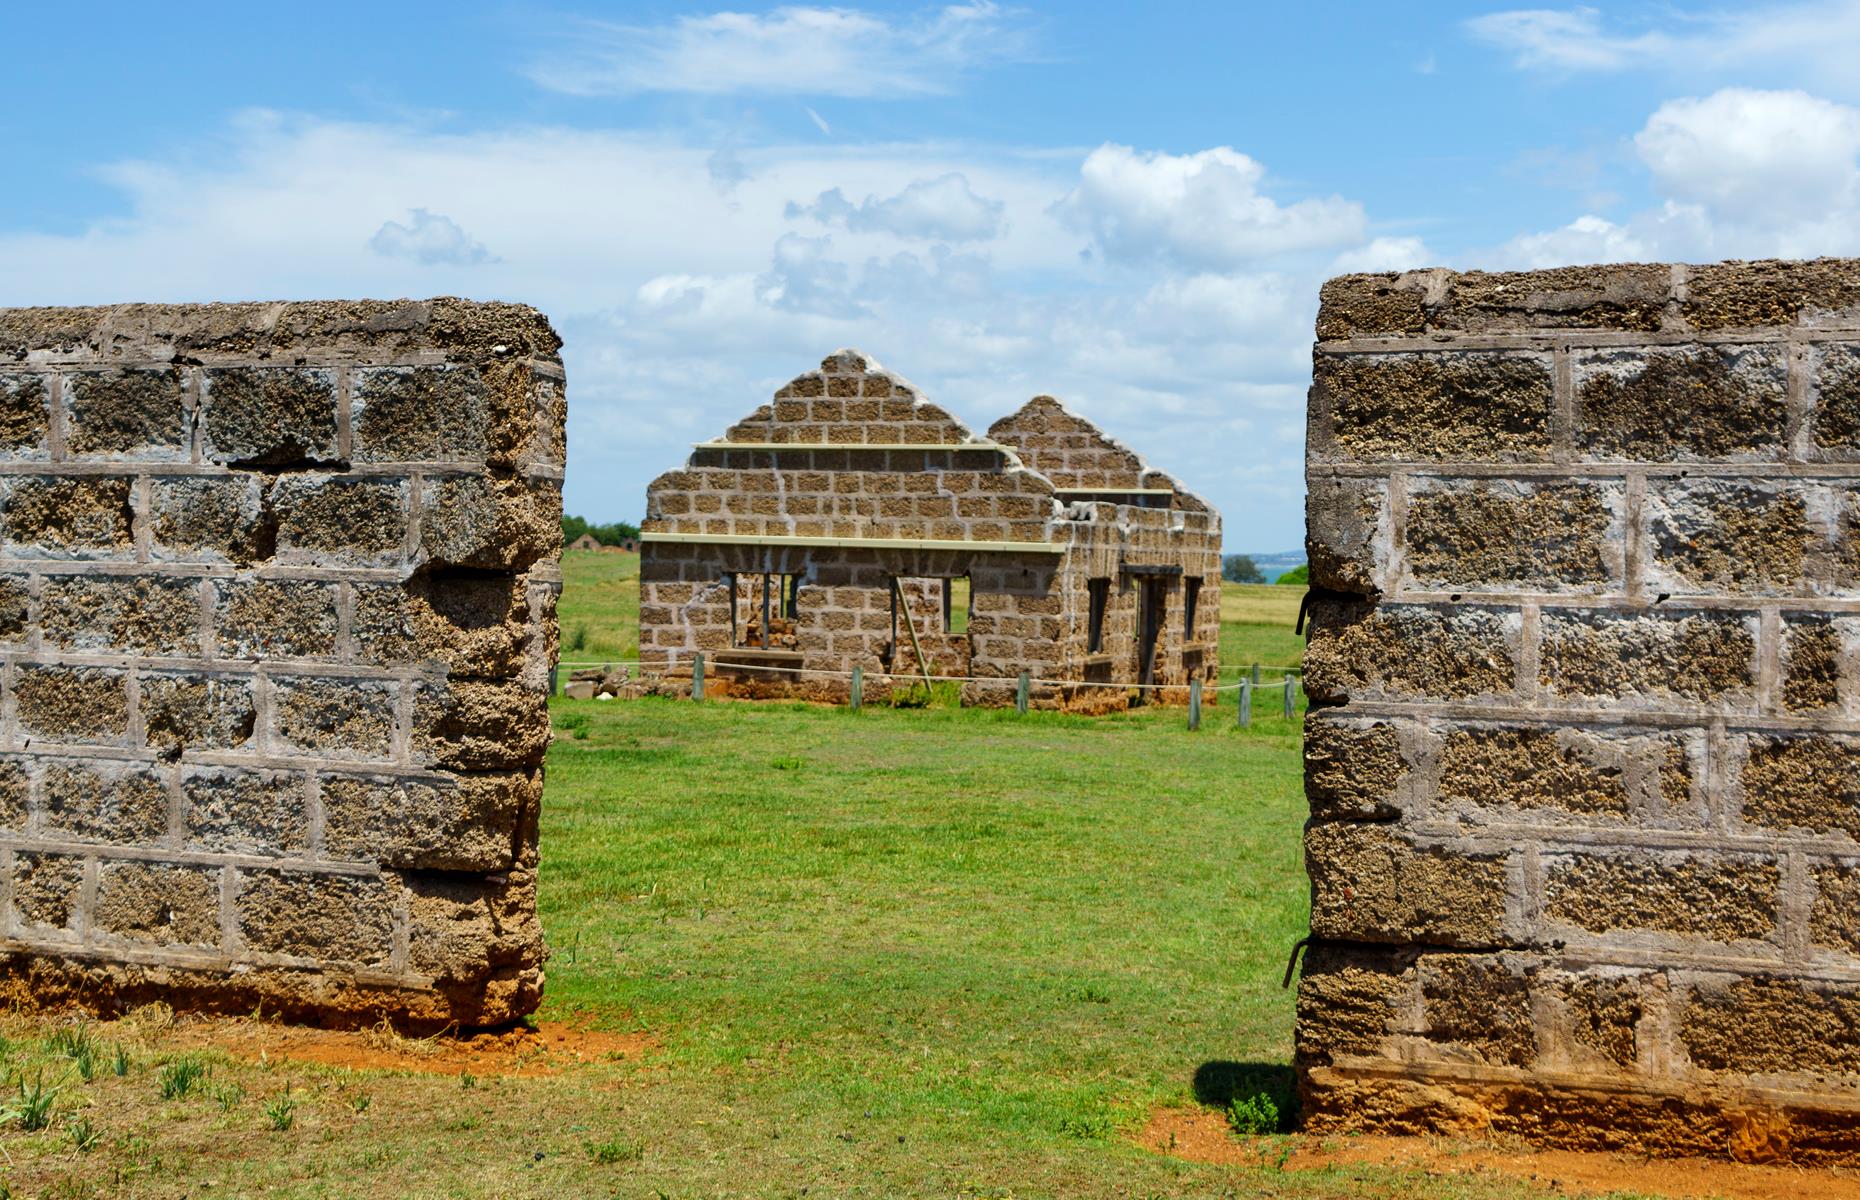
(1023, 684)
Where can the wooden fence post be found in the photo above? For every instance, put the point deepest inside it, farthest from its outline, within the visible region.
(697, 677)
(1022, 692)
(858, 688)
(1246, 703)
(1291, 705)
(1194, 704)
(1255, 674)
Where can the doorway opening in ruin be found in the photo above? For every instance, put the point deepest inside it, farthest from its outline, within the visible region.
(1152, 606)
(763, 607)
(929, 624)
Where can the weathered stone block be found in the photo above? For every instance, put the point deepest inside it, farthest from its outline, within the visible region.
(1358, 651)
(1735, 295)
(478, 932)
(1834, 396)
(136, 412)
(339, 718)
(420, 414)
(1382, 305)
(85, 517)
(1809, 781)
(1726, 898)
(1603, 1013)
(1351, 1000)
(45, 890)
(25, 414)
(1813, 663)
(275, 618)
(270, 416)
(1353, 770)
(243, 811)
(1534, 768)
(1732, 537)
(72, 704)
(136, 614)
(1347, 519)
(208, 519)
(469, 622)
(1477, 1005)
(104, 802)
(1764, 1026)
(190, 711)
(1703, 656)
(1834, 917)
(471, 823)
(15, 608)
(495, 524)
(1498, 535)
(1463, 405)
(1371, 884)
(336, 520)
(160, 904)
(15, 793)
(320, 917)
(478, 725)
(1657, 404)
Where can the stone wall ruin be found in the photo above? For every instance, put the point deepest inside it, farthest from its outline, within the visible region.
(1585, 832)
(860, 510)
(277, 589)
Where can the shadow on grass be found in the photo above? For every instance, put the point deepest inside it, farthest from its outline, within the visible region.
(1219, 1084)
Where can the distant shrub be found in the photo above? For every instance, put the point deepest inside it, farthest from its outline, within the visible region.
(1299, 575)
(1240, 568)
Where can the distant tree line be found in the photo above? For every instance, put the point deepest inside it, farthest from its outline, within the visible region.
(611, 534)
(1240, 568)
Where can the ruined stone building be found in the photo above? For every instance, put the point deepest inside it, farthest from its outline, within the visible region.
(277, 596)
(1583, 757)
(852, 523)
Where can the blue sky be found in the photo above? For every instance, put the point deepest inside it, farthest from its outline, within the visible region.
(1130, 212)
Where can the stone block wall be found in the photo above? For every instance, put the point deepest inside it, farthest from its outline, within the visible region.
(1585, 738)
(277, 589)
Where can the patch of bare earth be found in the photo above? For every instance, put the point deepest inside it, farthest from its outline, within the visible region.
(544, 1049)
(1203, 1135)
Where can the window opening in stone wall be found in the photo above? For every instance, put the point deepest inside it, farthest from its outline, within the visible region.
(957, 599)
(1099, 593)
(764, 600)
(1191, 593)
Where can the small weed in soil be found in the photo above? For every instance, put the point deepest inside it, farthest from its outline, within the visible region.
(181, 1077)
(31, 1109)
(616, 1150)
(281, 1112)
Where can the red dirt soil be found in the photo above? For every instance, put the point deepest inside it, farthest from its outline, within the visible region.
(522, 1051)
(1203, 1135)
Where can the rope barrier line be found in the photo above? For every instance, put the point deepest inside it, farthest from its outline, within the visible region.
(1001, 680)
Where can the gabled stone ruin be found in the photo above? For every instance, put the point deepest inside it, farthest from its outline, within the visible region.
(277, 592)
(850, 523)
(1582, 753)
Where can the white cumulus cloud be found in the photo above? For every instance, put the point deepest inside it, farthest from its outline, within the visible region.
(430, 238)
(943, 209)
(1198, 210)
(1740, 173)
(792, 50)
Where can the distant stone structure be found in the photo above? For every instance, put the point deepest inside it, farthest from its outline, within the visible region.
(586, 541)
(1585, 736)
(276, 623)
(853, 524)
